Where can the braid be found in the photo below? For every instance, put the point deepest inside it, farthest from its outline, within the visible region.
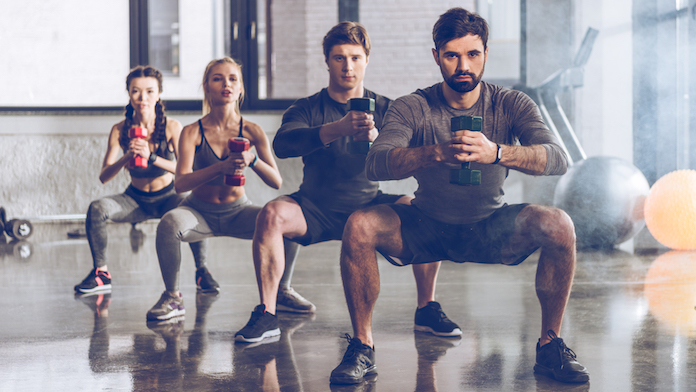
(160, 133)
(125, 138)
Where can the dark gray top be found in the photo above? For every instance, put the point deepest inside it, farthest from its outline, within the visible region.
(423, 118)
(333, 177)
(205, 156)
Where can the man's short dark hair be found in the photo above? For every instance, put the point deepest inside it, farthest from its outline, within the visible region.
(457, 23)
(351, 33)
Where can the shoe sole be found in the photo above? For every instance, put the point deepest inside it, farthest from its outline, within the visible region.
(94, 290)
(267, 334)
(173, 313)
(544, 371)
(424, 328)
(347, 380)
(288, 309)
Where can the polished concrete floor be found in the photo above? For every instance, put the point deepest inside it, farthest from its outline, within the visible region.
(631, 321)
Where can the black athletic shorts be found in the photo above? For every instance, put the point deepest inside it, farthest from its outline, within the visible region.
(326, 225)
(430, 240)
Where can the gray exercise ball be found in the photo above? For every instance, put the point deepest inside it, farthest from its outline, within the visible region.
(604, 196)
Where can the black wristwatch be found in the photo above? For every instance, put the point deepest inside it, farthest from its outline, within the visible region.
(498, 155)
(153, 157)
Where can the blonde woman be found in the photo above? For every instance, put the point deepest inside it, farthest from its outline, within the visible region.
(213, 208)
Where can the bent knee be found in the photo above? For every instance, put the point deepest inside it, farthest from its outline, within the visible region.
(277, 216)
(169, 226)
(551, 223)
(366, 225)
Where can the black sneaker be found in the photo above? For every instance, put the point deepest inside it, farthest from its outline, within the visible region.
(205, 282)
(557, 361)
(432, 319)
(261, 325)
(96, 281)
(358, 362)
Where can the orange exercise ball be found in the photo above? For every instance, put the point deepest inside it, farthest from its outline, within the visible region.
(670, 210)
(670, 288)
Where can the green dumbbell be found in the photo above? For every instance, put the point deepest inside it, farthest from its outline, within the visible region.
(465, 175)
(362, 105)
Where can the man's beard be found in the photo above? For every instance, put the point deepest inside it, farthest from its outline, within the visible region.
(463, 87)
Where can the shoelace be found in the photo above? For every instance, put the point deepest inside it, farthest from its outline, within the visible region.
(352, 350)
(563, 350)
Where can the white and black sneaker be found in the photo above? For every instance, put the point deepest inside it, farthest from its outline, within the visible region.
(432, 319)
(261, 325)
(96, 282)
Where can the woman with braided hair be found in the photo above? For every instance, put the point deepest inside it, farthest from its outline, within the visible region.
(151, 192)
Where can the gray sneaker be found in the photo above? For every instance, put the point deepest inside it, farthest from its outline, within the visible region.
(289, 300)
(167, 307)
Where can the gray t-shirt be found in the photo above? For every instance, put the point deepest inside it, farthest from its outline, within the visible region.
(423, 118)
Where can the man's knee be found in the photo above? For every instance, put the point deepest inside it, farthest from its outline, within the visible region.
(552, 224)
(275, 216)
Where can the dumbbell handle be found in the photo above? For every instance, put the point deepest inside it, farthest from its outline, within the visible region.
(362, 105)
(237, 144)
(138, 133)
(465, 176)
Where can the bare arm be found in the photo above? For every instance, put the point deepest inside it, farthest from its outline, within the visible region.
(112, 164)
(265, 167)
(466, 146)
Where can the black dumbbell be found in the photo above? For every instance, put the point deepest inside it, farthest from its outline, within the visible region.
(361, 105)
(19, 229)
(465, 176)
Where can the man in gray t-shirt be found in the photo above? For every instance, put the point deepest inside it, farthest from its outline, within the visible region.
(469, 223)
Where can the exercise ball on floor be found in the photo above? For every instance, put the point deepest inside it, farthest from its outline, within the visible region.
(604, 196)
(670, 210)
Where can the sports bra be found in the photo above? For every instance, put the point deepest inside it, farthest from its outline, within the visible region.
(205, 156)
(152, 171)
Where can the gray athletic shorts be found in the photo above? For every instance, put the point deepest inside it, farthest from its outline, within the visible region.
(430, 240)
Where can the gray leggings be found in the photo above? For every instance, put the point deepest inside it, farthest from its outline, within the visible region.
(132, 206)
(195, 220)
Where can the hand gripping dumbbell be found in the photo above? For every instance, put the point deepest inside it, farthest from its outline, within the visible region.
(237, 144)
(361, 105)
(19, 229)
(465, 176)
(138, 133)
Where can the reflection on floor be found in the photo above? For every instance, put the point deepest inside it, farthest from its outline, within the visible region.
(631, 320)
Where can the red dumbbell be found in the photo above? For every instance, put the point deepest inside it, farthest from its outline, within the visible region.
(237, 144)
(138, 133)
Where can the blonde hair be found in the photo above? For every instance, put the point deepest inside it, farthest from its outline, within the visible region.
(206, 74)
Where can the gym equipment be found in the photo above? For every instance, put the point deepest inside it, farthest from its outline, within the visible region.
(670, 210)
(465, 176)
(361, 147)
(604, 197)
(138, 133)
(19, 229)
(237, 144)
